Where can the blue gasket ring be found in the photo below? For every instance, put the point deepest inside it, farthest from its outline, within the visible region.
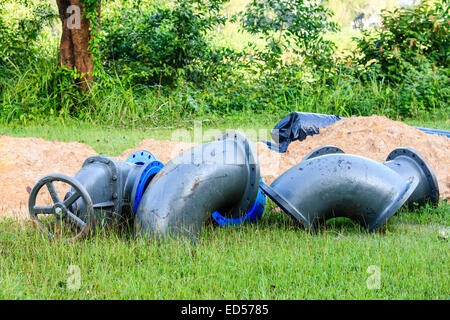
(255, 213)
(148, 172)
(141, 157)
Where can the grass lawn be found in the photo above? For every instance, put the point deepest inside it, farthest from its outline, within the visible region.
(273, 259)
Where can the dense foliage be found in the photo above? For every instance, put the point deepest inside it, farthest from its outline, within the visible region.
(411, 51)
(409, 39)
(19, 34)
(161, 61)
(154, 45)
(294, 28)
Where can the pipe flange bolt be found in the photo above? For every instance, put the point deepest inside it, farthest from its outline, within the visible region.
(141, 157)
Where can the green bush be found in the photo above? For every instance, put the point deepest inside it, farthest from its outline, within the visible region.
(408, 38)
(424, 89)
(294, 35)
(151, 45)
(143, 43)
(18, 35)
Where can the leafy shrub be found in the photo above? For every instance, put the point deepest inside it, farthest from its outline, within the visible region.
(152, 45)
(293, 32)
(18, 35)
(408, 36)
(424, 89)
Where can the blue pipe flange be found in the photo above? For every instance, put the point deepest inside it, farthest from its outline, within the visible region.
(255, 213)
(148, 171)
(141, 157)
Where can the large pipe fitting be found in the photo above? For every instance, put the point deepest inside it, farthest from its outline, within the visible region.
(115, 187)
(103, 193)
(328, 184)
(222, 175)
(408, 162)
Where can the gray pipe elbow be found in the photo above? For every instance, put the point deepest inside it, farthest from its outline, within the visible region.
(325, 186)
(408, 162)
(219, 176)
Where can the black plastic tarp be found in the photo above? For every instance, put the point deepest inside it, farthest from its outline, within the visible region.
(297, 126)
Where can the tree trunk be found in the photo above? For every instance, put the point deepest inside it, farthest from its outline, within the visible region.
(74, 50)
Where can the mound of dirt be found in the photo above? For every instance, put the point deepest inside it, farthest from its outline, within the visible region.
(372, 137)
(24, 160)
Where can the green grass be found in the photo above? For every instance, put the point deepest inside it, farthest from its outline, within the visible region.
(442, 124)
(113, 141)
(270, 260)
(273, 259)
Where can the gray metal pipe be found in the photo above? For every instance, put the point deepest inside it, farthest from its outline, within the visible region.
(333, 184)
(222, 175)
(109, 184)
(103, 193)
(408, 162)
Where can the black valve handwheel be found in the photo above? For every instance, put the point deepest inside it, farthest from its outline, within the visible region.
(61, 209)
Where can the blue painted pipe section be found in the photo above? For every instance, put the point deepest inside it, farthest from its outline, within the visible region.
(254, 214)
(141, 157)
(151, 169)
(152, 166)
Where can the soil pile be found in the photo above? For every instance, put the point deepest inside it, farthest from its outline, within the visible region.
(372, 137)
(164, 150)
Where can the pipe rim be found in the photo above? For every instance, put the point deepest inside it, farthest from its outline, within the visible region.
(321, 151)
(424, 166)
(253, 215)
(286, 206)
(252, 162)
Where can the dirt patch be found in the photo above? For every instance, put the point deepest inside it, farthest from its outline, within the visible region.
(24, 160)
